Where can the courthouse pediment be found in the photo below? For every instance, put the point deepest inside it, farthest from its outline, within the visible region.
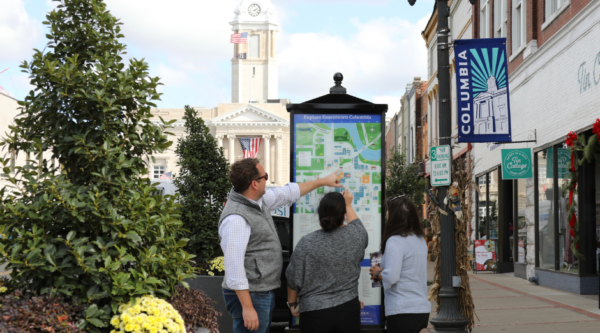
(250, 115)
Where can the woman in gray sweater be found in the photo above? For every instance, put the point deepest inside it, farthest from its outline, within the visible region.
(325, 267)
(404, 268)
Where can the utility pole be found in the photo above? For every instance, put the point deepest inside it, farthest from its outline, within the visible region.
(449, 318)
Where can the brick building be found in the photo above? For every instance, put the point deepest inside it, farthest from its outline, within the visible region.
(554, 82)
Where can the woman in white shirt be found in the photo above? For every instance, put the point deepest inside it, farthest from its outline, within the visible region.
(403, 268)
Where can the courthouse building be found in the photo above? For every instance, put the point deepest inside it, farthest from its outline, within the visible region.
(554, 86)
(255, 110)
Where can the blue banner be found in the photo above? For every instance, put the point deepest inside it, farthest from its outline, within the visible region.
(482, 90)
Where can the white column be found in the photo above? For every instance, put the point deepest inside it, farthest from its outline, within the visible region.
(231, 138)
(219, 140)
(278, 164)
(267, 145)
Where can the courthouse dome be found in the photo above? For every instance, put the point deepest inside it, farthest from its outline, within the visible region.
(255, 11)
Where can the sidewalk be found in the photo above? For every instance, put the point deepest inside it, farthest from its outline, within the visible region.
(504, 303)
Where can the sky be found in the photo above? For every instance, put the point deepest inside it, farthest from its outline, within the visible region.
(376, 44)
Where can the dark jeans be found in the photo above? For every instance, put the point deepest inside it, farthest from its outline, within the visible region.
(407, 322)
(263, 302)
(344, 318)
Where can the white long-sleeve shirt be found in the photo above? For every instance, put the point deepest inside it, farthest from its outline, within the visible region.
(235, 234)
(404, 275)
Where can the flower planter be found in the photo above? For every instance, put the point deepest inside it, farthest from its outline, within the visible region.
(211, 286)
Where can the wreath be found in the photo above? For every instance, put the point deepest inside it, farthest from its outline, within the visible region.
(588, 148)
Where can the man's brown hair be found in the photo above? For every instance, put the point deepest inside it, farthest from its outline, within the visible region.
(242, 173)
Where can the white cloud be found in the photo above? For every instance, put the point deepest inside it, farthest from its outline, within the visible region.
(378, 60)
(171, 77)
(18, 32)
(393, 103)
(193, 33)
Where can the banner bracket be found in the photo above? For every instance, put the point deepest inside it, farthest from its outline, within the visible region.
(524, 141)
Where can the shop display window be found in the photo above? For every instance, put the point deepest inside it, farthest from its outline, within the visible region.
(487, 203)
(566, 258)
(597, 179)
(493, 204)
(521, 225)
(546, 219)
(482, 208)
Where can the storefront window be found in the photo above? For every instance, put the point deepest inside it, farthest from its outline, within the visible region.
(521, 225)
(482, 210)
(493, 205)
(597, 176)
(546, 218)
(567, 260)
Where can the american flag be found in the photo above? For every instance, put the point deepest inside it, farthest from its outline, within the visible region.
(241, 38)
(166, 176)
(250, 146)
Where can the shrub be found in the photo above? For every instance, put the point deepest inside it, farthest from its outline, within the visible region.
(90, 230)
(203, 186)
(196, 309)
(147, 314)
(21, 313)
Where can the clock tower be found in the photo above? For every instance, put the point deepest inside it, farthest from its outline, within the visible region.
(254, 65)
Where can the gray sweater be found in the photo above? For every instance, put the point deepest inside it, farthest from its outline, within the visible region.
(325, 266)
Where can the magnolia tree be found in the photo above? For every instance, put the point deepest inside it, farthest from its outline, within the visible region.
(403, 178)
(89, 228)
(203, 185)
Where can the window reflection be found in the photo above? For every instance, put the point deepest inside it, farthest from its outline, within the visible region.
(521, 225)
(597, 176)
(546, 209)
(493, 205)
(567, 260)
(482, 204)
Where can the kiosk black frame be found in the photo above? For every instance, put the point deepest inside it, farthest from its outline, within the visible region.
(338, 102)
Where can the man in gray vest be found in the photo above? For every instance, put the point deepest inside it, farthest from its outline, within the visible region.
(253, 259)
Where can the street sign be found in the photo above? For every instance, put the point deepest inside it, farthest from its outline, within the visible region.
(440, 166)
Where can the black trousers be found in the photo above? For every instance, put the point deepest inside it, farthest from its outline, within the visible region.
(344, 318)
(407, 322)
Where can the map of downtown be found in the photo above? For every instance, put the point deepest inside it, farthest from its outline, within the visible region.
(326, 143)
(351, 144)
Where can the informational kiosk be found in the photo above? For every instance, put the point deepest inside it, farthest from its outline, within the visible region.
(341, 132)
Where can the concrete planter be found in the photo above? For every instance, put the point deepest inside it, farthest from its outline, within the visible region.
(211, 286)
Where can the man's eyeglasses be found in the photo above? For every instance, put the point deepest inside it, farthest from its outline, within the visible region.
(266, 177)
(396, 197)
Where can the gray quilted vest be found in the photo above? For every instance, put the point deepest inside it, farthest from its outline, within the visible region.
(263, 261)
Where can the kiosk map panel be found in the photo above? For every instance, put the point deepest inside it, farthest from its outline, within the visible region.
(352, 144)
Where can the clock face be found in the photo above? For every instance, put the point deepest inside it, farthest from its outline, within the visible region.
(254, 9)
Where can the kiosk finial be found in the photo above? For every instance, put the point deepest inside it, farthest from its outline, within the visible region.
(338, 88)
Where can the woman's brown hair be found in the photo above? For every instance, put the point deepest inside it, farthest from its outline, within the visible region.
(403, 220)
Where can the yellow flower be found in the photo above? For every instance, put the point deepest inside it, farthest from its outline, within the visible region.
(3, 289)
(153, 330)
(129, 327)
(115, 321)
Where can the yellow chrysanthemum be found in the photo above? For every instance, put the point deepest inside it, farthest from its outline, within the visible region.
(115, 321)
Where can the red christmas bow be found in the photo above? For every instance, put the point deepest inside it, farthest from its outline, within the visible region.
(571, 137)
(596, 128)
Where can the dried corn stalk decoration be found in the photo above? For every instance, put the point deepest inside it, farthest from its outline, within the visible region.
(462, 176)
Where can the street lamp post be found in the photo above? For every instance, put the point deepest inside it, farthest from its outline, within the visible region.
(449, 318)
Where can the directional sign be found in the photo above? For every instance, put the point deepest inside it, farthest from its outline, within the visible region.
(440, 166)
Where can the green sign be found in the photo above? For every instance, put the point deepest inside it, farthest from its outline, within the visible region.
(564, 163)
(517, 163)
(440, 165)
